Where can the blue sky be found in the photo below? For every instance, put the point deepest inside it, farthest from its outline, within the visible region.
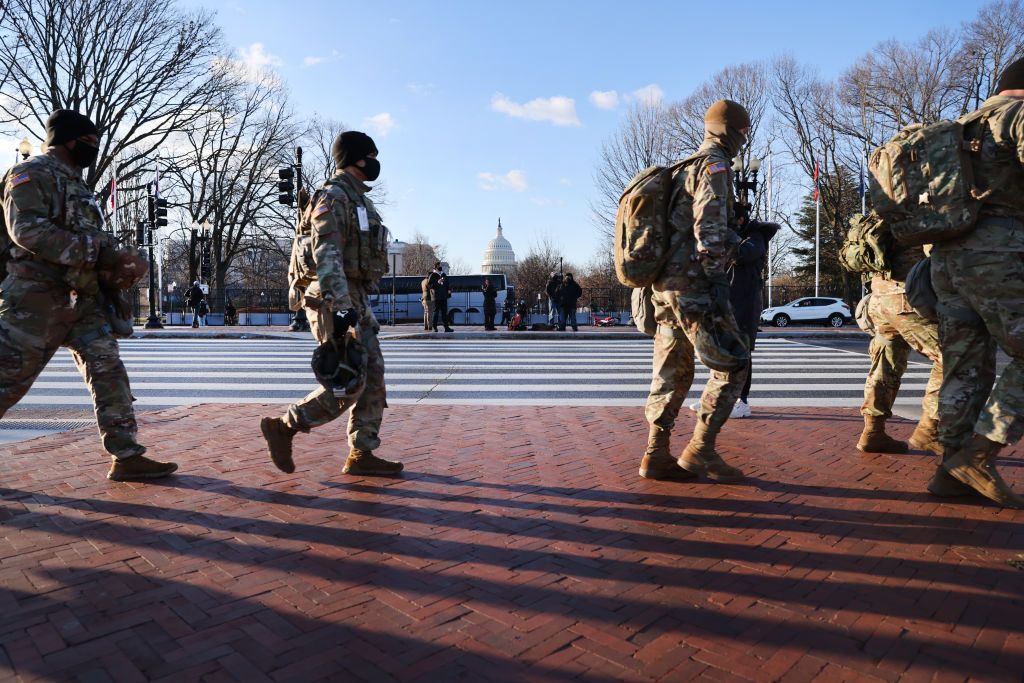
(444, 88)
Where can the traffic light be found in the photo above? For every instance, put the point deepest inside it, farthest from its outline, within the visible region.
(285, 186)
(140, 234)
(157, 211)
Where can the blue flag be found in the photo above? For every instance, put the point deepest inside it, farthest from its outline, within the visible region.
(860, 191)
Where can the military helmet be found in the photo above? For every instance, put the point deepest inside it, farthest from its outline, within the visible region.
(125, 271)
(719, 349)
(340, 366)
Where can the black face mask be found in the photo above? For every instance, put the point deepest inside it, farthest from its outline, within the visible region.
(84, 155)
(371, 170)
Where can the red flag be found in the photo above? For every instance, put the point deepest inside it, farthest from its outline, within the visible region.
(815, 195)
(113, 193)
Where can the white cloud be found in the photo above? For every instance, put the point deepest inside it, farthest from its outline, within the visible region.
(382, 123)
(604, 99)
(559, 110)
(420, 88)
(514, 180)
(255, 58)
(564, 181)
(313, 61)
(650, 94)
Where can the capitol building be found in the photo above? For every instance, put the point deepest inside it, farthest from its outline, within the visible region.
(499, 256)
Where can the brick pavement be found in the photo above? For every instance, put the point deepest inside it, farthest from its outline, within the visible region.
(519, 546)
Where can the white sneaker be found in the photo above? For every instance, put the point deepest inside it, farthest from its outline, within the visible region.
(741, 409)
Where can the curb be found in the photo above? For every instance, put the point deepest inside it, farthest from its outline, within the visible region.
(854, 334)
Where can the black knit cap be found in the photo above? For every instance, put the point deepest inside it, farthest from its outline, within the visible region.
(65, 125)
(352, 146)
(1012, 77)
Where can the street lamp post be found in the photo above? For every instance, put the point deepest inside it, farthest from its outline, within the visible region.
(24, 149)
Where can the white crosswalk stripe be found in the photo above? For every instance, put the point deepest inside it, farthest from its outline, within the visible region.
(446, 371)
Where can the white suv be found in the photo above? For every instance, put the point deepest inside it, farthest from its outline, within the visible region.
(809, 309)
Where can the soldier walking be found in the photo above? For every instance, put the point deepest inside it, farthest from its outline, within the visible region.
(979, 282)
(691, 306)
(898, 328)
(53, 294)
(428, 305)
(349, 245)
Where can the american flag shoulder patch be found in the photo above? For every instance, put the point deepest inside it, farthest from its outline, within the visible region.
(717, 167)
(322, 207)
(19, 179)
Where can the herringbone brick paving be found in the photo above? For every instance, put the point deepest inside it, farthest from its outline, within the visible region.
(519, 545)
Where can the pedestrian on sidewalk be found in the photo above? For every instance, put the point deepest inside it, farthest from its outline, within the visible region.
(203, 310)
(193, 296)
(339, 296)
(554, 311)
(508, 308)
(490, 293)
(428, 304)
(440, 292)
(568, 299)
(691, 306)
(229, 313)
(62, 263)
(746, 287)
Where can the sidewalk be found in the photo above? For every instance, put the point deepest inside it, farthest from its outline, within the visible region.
(415, 331)
(519, 546)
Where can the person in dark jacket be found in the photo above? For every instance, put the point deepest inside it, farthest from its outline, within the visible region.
(490, 300)
(568, 299)
(554, 311)
(746, 285)
(193, 297)
(440, 292)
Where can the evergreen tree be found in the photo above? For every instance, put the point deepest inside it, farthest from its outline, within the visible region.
(840, 200)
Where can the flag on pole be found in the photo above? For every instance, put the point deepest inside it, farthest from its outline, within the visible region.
(815, 195)
(860, 190)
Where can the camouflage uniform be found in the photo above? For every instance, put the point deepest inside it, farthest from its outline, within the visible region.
(428, 305)
(979, 281)
(682, 295)
(898, 329)
(349, 261)
(50, 298)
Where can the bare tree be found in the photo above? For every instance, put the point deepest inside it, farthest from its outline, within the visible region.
(990, 43)
(140, 69)
(317, 163)
(420, 255)
(225, 173)
(642, 140)
(531, 273)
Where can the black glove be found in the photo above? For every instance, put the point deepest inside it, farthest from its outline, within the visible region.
(344, 320)
(720, 296)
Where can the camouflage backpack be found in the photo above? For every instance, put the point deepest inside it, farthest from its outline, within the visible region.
(922, 181)
(643, 310)
(868, 245)
(301, 265)
(643, 236)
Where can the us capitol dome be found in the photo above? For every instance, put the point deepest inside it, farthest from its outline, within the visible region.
(499, 256)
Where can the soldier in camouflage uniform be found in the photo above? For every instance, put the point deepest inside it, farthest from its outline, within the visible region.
(350, 251)
(979, 281)
(51, 296)
(691, 305)
(898, 328)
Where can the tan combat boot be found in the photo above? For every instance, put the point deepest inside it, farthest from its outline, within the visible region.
(279, 442)
(366, 464)
(139, 468)
(700, 457)
(658, 462)
(875, 440)
(975, 465)
(942, 483)
(926, 436)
